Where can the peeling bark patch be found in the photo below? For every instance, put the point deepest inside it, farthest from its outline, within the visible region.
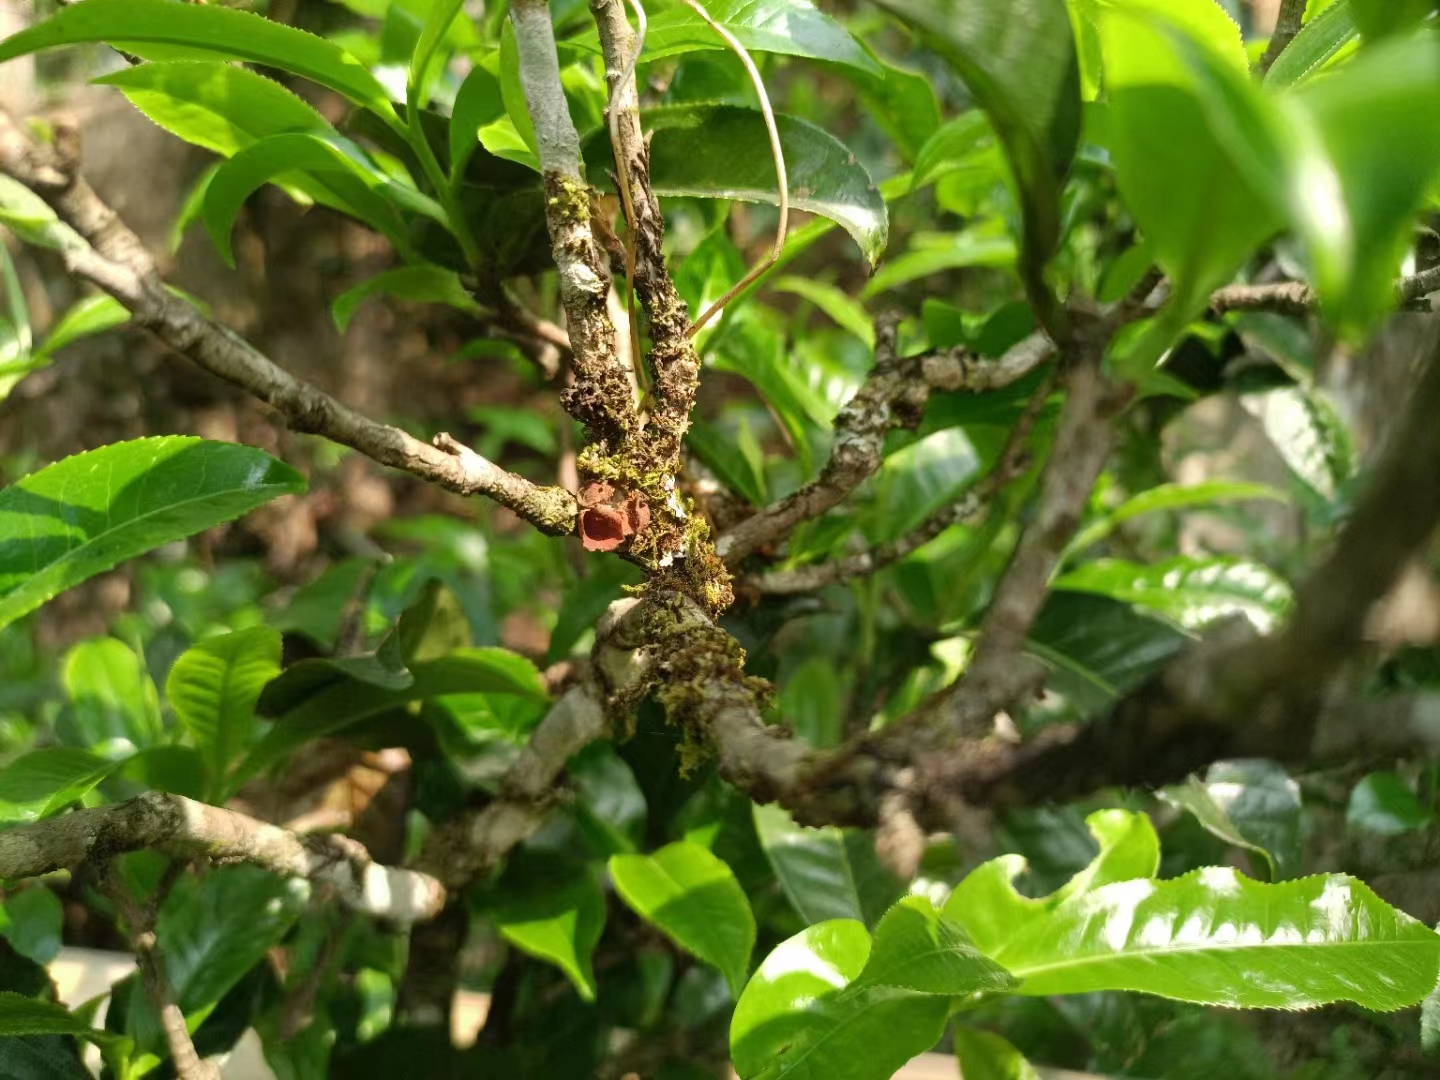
(609, 519)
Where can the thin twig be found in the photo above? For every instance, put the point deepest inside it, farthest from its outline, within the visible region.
(622, 170)
(1287, 25)
(782, 176)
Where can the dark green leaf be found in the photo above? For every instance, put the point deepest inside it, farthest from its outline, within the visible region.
(82, 516)
(1384, 18)
(32, 922)
(1251, 804)
(477, 103)
(806, 1016)
(1384, 803)
(214, 687)
(154, 29)
(424, 284)
(789, 27)
(20, 1015)
(723, 152)
(321, 702)
(950, 146)
(363, 189)
(811, 864)
(1018, 59)
(694, 898)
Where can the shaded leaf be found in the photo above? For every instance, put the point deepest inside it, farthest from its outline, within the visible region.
(85, 318)
(112, 697)
(984, 1055)
(694, 898)
(424, 284)
(554, 910)
(723, 152)
(21, 1015)
(82, 516)
(1172, 497)
(1251, 804)
(1383, 803)
(811, 864)
(43, 782)
(1018, 60)
(32, 923)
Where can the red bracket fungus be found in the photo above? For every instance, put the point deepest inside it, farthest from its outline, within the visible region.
(609, 519)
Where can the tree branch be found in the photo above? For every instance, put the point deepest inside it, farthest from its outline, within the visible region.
(601, 397)
(1287, 25)
(894, 395)
(102, 250)
(186, 1059)
(460, 852)
(184, 828)
(1298, 298)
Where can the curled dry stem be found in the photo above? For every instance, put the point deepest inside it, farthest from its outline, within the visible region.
(781, 175)
(622, 170)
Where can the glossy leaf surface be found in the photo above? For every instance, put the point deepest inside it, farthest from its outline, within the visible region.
(82, 516)
(1190, 592)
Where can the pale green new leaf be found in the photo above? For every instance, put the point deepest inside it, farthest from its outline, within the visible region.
(1319, 40)
(694, 898)
(803, 1017)
(1215, 937)
(1172, 497)
(983, 1055)
(1190, 592)
(919, 948)
(85, 318)
(214, 686)
(82, 516)
(555, 911)
(44, 782)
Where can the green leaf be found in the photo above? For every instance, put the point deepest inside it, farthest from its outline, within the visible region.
(949, 147)
(806, 1016)
(1253, 805)
(478, 102)
(112, 697)
(1383, 803)
(1384, 18)
(1197, 150)
(984, 1055)
(991, 911)
(1365, 159)
(512, 92)
(1172, 497)
(694, 898)
(553, 909)
(214, 686)
(317, 702)
(1018, 59)
(215, 929)
(85, 318)
(723, 152)
(154, 28)
(215, 105)
(811, 864)
(32, 922)
(30, 218)
(1215, 937)
(1320, 39)
(1307, 430)
(437, 23)
(44, 782)
(364, 190)
(918, 948)
(426, 284)
(935, 254)
(82, 516)
(845, 311)
(1190, 592)
(21, 1015)
(788, 27)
